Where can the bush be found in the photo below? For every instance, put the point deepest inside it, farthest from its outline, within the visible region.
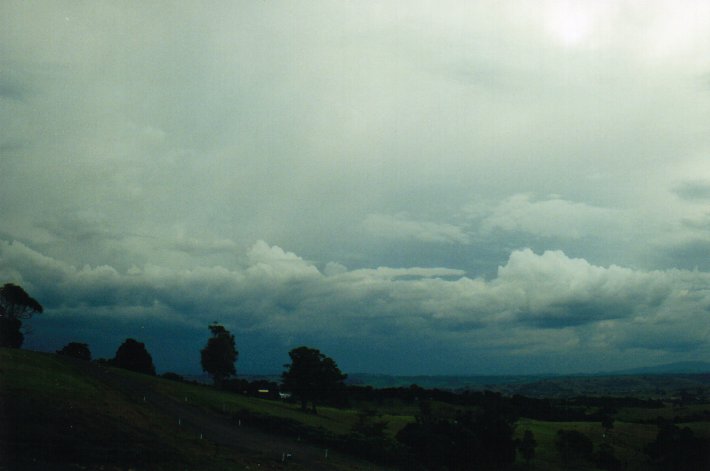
(172, 376)
(678, 449)
(480, 441)
(76, 350)
(132, 355)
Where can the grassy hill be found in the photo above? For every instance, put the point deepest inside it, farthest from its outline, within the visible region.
(58, 413)
(56, 416)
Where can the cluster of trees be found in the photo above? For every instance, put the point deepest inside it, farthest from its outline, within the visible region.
(131, 355)
(674, 449)
(482, 440)
(311, 377)
(678, 449)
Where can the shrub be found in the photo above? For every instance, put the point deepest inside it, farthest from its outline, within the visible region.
(76, 350)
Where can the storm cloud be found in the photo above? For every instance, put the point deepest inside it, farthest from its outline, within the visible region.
(280, 295)
(459, 187)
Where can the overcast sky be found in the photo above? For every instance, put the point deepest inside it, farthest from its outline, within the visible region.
(412, 187)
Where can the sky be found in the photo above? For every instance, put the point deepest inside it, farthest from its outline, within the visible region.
(413, 187)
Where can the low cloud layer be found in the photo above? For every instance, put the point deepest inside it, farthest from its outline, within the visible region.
(537, 304)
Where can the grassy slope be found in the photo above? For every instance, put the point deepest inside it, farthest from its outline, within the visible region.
(51, 411)
(337, 421)
(52, 415)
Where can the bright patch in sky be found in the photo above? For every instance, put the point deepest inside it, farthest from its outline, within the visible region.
(571, 22)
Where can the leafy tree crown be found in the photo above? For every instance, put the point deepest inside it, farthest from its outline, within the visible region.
(132, 355)
(15, 303)
(220, 354)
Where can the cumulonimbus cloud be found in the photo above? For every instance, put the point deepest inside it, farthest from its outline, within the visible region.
(279, 291)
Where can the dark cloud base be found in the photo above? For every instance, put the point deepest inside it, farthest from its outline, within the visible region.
(537, 310)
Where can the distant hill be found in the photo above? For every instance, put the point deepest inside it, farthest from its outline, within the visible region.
(683, 367)
(656, 381)
(450, 382)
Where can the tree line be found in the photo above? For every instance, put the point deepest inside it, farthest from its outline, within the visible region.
(311, 377)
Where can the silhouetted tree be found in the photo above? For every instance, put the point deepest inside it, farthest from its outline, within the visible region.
(10, 333)
(172, 376)
(527, 446)
(15, 306)
(76, 350)
(219, 354)
(678, 449)
(482, 441)
(132, 355)
(312, 376)
(370, 424)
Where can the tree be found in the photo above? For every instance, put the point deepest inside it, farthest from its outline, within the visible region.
(527, 447)
(10, 333)
(481, 440)
(312, 376)
(370, 424)
(219, 354)
(76, 350)
(15, 306)
(132, 355)
(173, 376)
(678, 449)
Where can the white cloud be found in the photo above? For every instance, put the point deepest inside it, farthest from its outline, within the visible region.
(274, 262)
(554, 217)
(280, 294)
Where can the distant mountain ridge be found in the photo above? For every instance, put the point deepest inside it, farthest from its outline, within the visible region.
(441, 381)
(531, 383)
(681, 367)
(493, 382)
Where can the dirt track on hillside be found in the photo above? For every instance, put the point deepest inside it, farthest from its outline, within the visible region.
(220, 430)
